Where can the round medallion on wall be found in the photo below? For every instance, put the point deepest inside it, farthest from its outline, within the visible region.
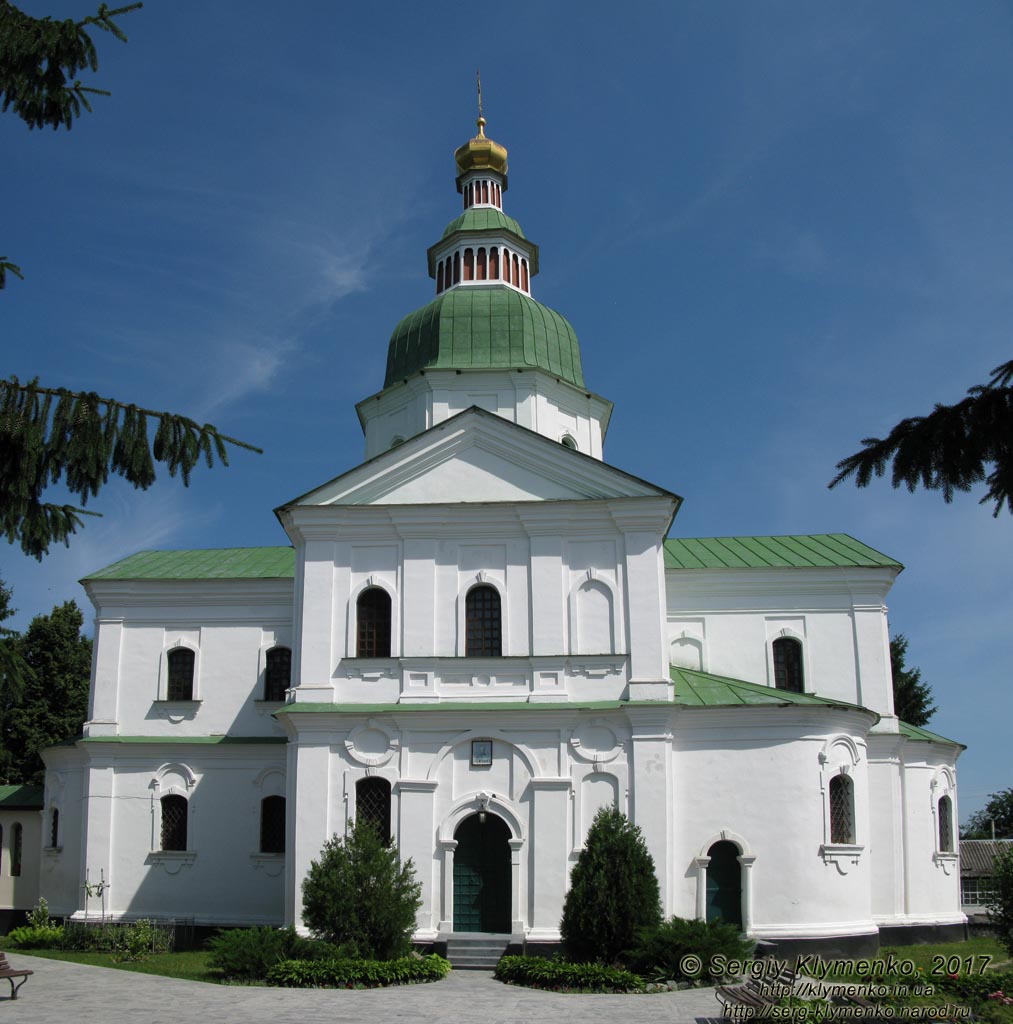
(595, 743)
(370, 745)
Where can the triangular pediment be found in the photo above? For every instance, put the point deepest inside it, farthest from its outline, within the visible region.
(477, 456)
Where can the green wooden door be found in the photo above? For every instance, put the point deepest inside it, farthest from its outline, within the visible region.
(482, 875)
(724, 884)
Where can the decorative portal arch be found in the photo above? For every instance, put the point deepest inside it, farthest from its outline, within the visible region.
(491, 807)
(472, 734)
(724, 880)
(482, 875)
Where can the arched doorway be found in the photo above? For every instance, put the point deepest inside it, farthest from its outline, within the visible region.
(482, 875)
(724, 884)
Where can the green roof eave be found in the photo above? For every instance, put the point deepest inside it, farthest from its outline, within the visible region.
(183, 740)
(706, 690)
(920, 735)
(482, 218)
(21, 798)
(791, 551)
(202, 564)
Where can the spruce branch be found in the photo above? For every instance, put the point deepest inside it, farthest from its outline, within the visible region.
(40, 60)
(52, 434)
(7, 267)
(950, 450)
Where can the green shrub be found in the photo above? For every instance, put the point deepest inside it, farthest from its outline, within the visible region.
(561, 976)
(38, 917)
(130, 940)
(1000, 907)
(36, 937)
(358, 973)
(658, 950)
(359, 893)
(137, 941)
(613, 891)
(249, 953)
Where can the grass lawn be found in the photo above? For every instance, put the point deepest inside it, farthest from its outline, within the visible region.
(193, 966)
(925, 956)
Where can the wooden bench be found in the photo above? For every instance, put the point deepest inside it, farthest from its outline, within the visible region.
(755, 992)
(10, 973)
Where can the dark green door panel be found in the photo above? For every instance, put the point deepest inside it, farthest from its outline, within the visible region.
(724, 884)
(482, 875)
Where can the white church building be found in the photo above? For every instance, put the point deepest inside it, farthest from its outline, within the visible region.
(476, 639)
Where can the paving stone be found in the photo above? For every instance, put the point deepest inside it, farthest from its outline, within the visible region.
(65, 993)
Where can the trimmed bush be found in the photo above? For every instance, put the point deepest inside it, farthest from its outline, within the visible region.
(359, 895)
(613, 891)
(36, 937)
(560, 976)
(249, 953)
(657, 952)
(406, 970)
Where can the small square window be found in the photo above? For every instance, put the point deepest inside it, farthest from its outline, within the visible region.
(481, 752)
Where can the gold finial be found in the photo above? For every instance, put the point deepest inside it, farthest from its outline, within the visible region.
(481, 120)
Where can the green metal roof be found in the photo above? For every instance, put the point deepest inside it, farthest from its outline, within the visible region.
(18, 798)
(484, 327)
(483, 219)
(206, 564)
(223, 740)
(822, 550)
(920, 735)
(702, 689)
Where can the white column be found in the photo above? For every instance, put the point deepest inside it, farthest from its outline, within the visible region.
(314, 638)
(702, 863)
(747, 892)
(416, 802)
(517, 925)
(651, 777)
(549, 861)
(96, 854)
(447, 912)
(102, 711)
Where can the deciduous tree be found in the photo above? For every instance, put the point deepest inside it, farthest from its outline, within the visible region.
(997, 814)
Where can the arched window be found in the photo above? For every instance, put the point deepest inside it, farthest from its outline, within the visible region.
(372, 613)
(506, 266)
(469, 264)
(524, 275)
(181, 662)
(17, 842)
(54, 828)
(568, 442)
(439, 278)
(483, 623)
(485, 191)
(788, 665)
(372, 804)
(174, 814)
(515, 274)
(480, 276)
(457, 267)
(842, 811)
(494, 263)
(277, 673)
(272, 824)
(945, 809)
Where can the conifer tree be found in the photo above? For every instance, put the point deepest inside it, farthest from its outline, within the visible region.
(949, 450)
(53, 701)
(613, 891)
(912, 699)
(358, 895)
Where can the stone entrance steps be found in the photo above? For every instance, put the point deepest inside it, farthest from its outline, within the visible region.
(476, 951)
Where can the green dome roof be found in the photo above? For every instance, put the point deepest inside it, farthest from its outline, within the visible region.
(484, 327)
(483, 219)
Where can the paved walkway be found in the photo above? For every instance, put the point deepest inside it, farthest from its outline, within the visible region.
(65, 993)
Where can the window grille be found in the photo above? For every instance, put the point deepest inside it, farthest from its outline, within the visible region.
(54, 828)
(16, 842)
(174, 813)
(788, 665)
(483, 623)
(945, 825)
(372, 804)
(181, 662)
(278, 673)
(272, 824)
(842, 811)
(978, 892)
(17, 839)
(373, 615)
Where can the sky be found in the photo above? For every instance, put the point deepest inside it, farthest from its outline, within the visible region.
(777, 228)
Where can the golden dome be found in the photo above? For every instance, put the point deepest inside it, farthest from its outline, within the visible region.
(480, 153)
